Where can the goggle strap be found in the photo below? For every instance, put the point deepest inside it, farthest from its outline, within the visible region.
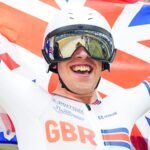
(53, 67)
(46, 56)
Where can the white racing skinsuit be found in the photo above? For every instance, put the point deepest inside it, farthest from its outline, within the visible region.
(51, 122)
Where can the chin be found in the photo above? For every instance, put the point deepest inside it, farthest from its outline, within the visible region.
(83, 91)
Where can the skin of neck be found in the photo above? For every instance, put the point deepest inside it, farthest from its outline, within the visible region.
(84, 98)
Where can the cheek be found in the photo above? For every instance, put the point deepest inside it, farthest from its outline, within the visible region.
(99, 68)
(98, 74)
(62, 69)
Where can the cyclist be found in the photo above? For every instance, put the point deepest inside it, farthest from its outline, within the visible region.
(78, 46)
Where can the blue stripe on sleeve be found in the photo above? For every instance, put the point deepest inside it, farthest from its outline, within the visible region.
(117, 143)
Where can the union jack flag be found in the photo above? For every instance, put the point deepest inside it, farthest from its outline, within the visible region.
(22, 25)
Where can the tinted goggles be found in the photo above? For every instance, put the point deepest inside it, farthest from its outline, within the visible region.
(62, 46)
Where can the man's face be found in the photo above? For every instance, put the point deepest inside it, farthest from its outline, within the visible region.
(80, 73)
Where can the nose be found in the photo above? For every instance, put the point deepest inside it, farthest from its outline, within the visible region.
(81, 52)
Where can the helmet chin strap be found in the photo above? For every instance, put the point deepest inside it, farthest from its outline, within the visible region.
(64, 85)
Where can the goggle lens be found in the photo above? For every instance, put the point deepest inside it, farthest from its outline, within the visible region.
(63, 46)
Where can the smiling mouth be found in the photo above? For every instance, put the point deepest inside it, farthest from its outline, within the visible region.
(82, 69)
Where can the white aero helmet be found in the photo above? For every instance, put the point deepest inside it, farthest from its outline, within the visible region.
(75, 27)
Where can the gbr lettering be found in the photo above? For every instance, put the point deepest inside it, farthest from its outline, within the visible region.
(68, 132)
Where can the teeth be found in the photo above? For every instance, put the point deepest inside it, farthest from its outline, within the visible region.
(81, 68)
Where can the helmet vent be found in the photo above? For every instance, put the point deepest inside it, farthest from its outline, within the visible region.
(90, 16)
(70, 15)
